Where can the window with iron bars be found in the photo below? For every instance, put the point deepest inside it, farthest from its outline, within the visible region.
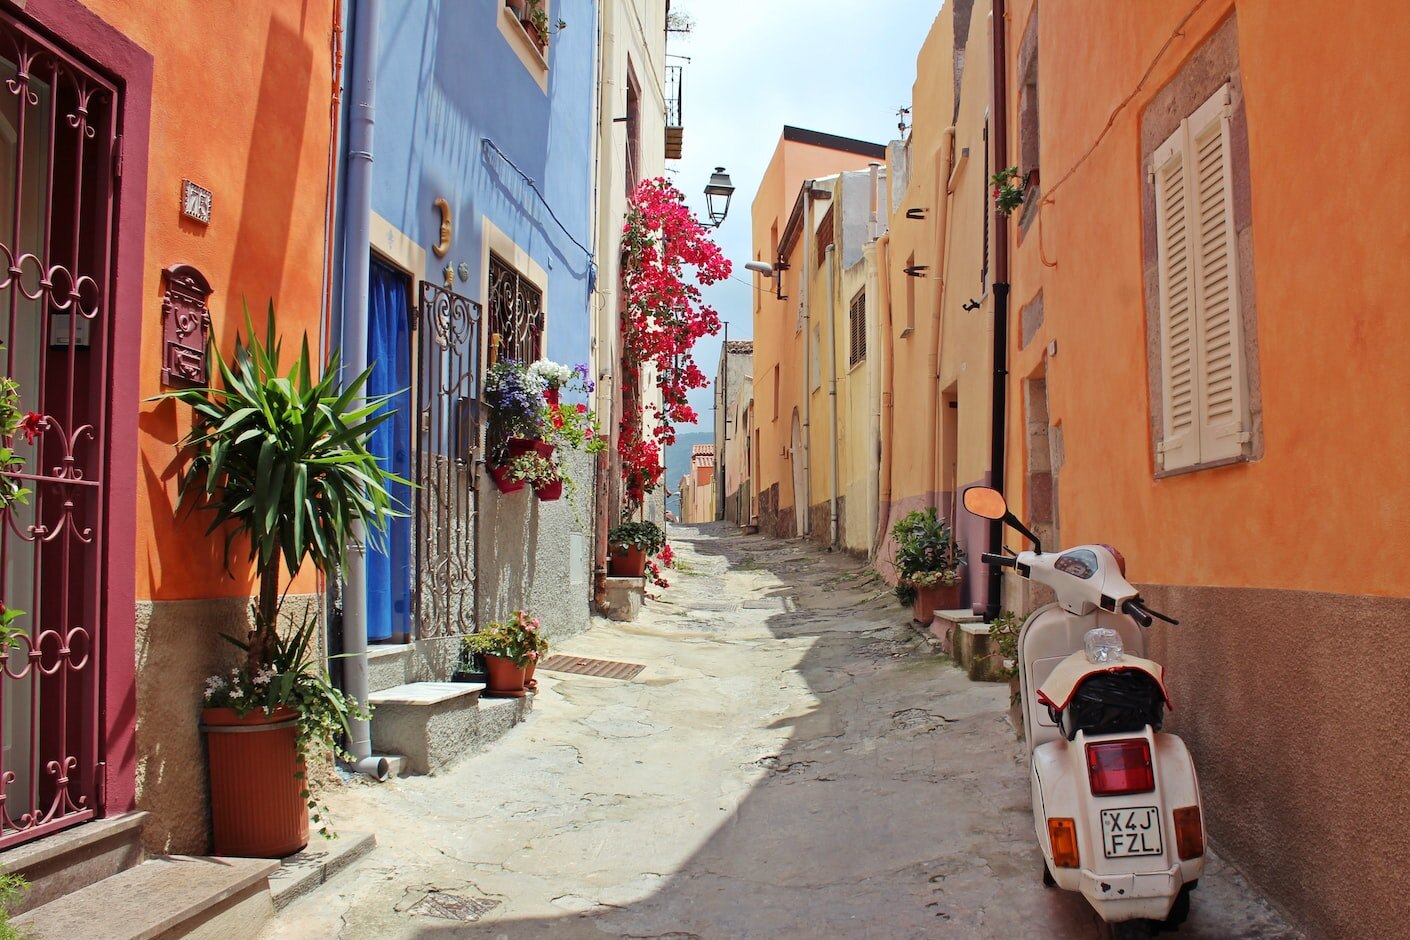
(516, 312)
(857, 324)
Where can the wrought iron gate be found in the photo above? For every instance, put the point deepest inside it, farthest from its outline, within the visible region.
(58, 160)
(446, 462)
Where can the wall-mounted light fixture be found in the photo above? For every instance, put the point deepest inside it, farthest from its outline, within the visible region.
(717, 196)
(916, 270)
(916, 213)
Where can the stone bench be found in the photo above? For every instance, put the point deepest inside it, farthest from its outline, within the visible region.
(433, 724)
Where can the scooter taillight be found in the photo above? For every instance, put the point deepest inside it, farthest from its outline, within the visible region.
(1116, 768)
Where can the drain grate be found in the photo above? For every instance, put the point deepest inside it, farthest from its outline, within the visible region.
(601, 668)
(453, 906)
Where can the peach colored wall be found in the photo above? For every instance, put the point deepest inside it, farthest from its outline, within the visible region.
(240, 104)
(1330, 483)
(776, 344)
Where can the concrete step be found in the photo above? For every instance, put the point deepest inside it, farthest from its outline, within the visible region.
(76, 858)
(316, 865)
(434, 724)
(623, 598)
(946, 624)
(976, 654)
(175, 896)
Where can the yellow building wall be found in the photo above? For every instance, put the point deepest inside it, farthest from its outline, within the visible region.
(941, 353)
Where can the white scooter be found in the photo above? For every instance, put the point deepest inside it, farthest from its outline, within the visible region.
(1116, 803)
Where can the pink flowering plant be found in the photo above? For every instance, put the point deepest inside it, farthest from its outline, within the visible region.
(668, 256)
(14, 422)
(520, 639)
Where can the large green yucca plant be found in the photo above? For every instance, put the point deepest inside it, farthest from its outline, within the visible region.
(282, 458)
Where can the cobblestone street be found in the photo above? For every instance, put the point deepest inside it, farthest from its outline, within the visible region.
(793, 761)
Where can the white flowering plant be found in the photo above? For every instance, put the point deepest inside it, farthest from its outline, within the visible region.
(552, 374)
(293, 678)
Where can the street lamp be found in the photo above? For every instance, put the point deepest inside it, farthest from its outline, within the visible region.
(717, 196)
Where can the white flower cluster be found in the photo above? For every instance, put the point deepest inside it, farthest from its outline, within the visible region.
(552, 374)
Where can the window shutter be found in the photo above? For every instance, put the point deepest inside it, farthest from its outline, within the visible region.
(1179, 445)
(1221, 390)
(858, 329)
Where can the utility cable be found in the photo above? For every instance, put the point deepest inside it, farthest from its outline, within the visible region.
(491, 145)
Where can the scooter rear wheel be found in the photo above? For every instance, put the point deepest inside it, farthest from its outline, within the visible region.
(1129, 930)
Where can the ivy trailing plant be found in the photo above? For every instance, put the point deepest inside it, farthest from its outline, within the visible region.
(13, 422)
(668, 256)
(1007, 190)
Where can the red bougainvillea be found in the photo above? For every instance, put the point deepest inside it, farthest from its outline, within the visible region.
(667, 257)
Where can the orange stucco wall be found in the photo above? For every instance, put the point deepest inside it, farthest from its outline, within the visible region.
(777, 345)
(240, 104)
(1320, 509)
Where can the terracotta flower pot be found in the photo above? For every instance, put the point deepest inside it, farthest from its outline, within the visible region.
(627, 562)
(255, 783)
(500, 475)
(504, 676)
(930, 599)
(530, 682)
(549, 492)
(519, 446)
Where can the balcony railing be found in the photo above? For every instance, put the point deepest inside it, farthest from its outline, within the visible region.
(675, 129)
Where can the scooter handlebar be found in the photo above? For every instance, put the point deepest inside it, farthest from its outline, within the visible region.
(1139, 612)
(1003, 560)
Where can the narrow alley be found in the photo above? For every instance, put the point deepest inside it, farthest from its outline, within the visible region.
(794, 757)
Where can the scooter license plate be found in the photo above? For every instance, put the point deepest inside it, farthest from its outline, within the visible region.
(1131, 831)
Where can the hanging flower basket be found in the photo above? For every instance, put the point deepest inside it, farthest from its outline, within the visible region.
(549, 491)
(502, 480)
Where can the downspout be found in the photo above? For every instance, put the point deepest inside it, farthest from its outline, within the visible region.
(721, 467)
(997, 29)
(804, 277)
(888, 423)
(942, 254)
(833, 522)
(357, 261)
(605, 376)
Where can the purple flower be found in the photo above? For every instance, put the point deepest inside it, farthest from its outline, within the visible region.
(591, 386)
(582, 369)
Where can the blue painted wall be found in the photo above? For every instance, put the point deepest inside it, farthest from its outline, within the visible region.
(447, 80)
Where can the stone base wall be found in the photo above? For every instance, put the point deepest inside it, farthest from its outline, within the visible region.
(773, 521)
(178, 646)
(820, 522)
(536, 555)
(1292, 704)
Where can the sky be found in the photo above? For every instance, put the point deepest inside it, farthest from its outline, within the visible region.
(838, 66)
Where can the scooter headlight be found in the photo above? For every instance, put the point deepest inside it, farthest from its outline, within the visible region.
(1103, 645)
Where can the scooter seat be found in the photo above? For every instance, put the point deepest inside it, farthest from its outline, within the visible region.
(1057, 690)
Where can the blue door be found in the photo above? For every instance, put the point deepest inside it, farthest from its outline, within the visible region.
(389, 565)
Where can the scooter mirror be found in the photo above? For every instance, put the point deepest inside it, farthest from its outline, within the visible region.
(985, 502)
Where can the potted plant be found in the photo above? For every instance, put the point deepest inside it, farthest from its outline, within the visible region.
(630, 544)
(1007, 190)
(539, 472)
(514, 397)
(928, 561)
(281, 460)
(507, 650)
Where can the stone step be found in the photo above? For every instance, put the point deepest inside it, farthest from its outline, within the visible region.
(169, 897)
(946, 624)
(434, 724)
(76, 858)
(975, 653)
(316, 865)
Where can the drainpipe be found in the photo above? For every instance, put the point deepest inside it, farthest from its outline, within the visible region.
(997, 29)
(888, 354)
(804, 277)
(833, 522)
(942, 219)
(721, 474)
(357, 260)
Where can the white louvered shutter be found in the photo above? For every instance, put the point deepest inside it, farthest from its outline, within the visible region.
(1222, 396)
(1179, 445)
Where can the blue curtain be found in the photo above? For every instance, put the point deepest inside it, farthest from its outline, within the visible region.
(389, 354)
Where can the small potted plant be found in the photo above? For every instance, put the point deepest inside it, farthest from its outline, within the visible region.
(928, 562)
(630, 544)
(281, 459)
(507, 649)
(514, 397)
(539, 472)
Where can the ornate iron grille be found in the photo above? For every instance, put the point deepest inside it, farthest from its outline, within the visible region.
(516, 313)
(58, 158)
(445, 524)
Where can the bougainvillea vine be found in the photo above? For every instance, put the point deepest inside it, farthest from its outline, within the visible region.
(667, 257)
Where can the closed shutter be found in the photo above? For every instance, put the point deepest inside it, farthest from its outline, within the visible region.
(1202, 375)
(1179, 445)
(858, 328)
(1222, 395)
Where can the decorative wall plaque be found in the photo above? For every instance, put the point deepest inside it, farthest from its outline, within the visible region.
(195, 202)
(186, 327)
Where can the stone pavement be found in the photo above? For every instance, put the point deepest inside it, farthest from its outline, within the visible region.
(794, 761)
